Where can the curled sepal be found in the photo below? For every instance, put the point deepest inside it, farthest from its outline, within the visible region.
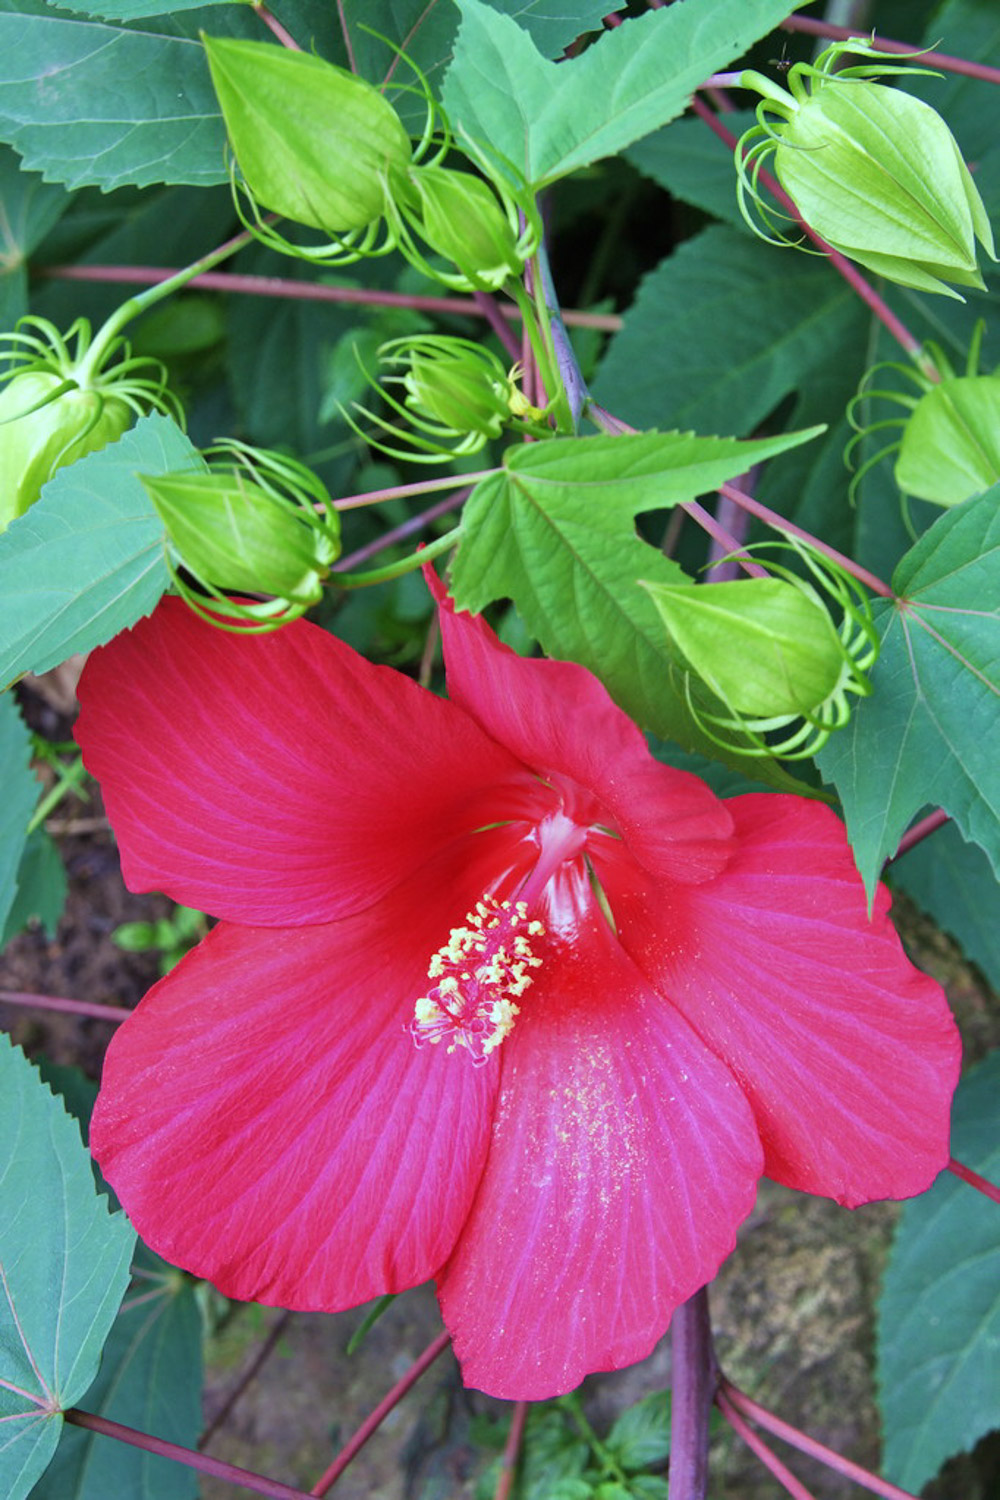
(947, 436)
(873, 170)
(763, 659)
(471, 222)
(249, 522)
(66, 396)
(457, 396)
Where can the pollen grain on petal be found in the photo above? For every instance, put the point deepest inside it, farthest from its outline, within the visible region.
(480, 972)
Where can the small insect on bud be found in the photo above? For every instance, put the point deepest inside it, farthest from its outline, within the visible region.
(313, 142)
(255, 523)
(58, 404)
(769, 653)
(873, 170)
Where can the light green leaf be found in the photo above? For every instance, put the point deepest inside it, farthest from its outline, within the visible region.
(87, 559)
(927, 735)
(553, 120)
(640, 1437)
(954, 883)
(20, 793)
(64, 1262)
(939, 1315)
(85, 103)
(554, 531)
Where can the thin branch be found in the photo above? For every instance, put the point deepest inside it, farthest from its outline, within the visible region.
(274, 25)
(764, 513)
(419, 487)
(932, 59)
(259, 1483)
(493, 312)
(981, 1184)
(511, 1452)
(907, 341)
(723, 538)
(400, 533)
(309, 291)
(354, 1445)
(768, 1458)
(805, 1444)
(348, 44)
(113, 1013)
(249, 1375)
(919, 832)
(694, 1378)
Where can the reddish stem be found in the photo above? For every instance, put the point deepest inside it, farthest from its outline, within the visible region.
(768, 1458)
(764, 513)
(920, 831)
(249, 1375)
(750, 1408)
(933, 59)
(400, 533)
(419, 487)
(273, 24)
(348, 47)
(981, 1184)
(907, 341)
(354, 1445)
(308, 291)
(200, 1461)
(494, 315)
(725, 539)
(693, 1381)
(113, 1013)
(511, 1452)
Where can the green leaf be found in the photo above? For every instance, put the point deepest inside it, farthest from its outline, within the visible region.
(65, 1267)
(132, 10)
(87, 559)
(928, 732)
(41, 884)
(85, 103)
(939, 1315)
(554, 531)
(693, 165)
(20, 793)
(28, 209)
(640, 1437)
(954, 883)
(552, 120)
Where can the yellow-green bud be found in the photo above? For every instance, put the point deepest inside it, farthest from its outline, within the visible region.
(950, 449)
(314, 143)
(461, 217)
(462, 387)
(36, 439)
(873, 170)
(766, 647)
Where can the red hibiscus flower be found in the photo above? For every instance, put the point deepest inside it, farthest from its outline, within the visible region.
(496, 998)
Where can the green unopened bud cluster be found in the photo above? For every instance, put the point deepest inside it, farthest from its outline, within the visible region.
(61, 402)
(948, 444)
(248, 523)
(873, 170)
(769, 655)
(321, 146)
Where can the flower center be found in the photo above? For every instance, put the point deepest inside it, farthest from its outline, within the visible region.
(480, 972)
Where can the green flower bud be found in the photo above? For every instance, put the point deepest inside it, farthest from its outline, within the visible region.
(314, 143)
(461, 386)
(763, 645)
(250, 527)
(950, 449)
(460, 217)
(873, 170)
(45, 426)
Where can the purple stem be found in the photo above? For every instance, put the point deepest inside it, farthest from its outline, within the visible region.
(981, 1184)
(419, 487)
(836, 1461)
(249, 1375)
(694, 1378)
(308, 291)
(764, 513)
(400, 533)
(354, 1445)
(511, 1452)
(851, 275)
(919, 831)
(348, 47)
(114, 1013)
(768, 1458)
(721, 538)
(491, 310)
(273, 24)
(736, 522)
(934, 59)
(200, 1461)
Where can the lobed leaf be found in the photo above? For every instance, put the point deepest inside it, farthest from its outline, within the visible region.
(927, 733)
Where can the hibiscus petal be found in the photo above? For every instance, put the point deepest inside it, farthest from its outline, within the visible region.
(848, 1054)
(557, 717)
(268, 1122)
(624, 1157)
(277, 779)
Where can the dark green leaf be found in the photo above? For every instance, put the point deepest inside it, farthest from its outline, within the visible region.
(939, 1315)
(927, 735)
(954, 883)
(131, 10)
(640, 1438)
(28, 209)
(86, 103)
(87, 559)
(41, 887)
(552, 120)
(693, 165)
(65, 1267)
(554, 531)
(20, 793)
